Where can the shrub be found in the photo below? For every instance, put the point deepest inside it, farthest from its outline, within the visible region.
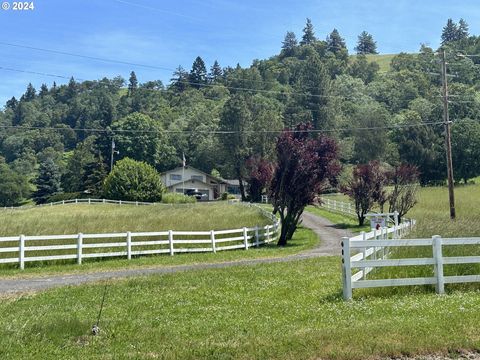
(224, 196)
(65, 196)
(133, 181)
(176, 198)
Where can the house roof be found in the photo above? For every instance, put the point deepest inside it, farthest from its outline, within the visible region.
(190, 180)
(222, 181)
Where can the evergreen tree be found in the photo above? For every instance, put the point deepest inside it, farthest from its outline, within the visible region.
(12, 103)
(198, 74)
(180, 80)
(216, 72)
(450, 32)
(366, 44)
(308, 34)
(462, 32)
(30, 93)
(43, 90)
(48, 181)
(335, 43)
(289, 44)
(94, 176)
(132, 83)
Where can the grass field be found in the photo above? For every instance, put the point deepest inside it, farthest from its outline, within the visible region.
(100, 218)
(275, 311)
(71, 219)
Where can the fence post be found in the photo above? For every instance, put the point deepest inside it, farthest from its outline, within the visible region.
(79, 248)
(212, 237)
(103, 201)
(346, 269)
(268, 234)
(438, 267)
(63, 202)
(395, 217)
(21, 252)
(257, 237)
(129, 245)
(170, 241)
(245, 238)
(364, 237)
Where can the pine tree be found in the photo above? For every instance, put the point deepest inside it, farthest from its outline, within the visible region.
(308, 34)
(289, 44)
(450, 32)
(366, 44)
(216, 72)
(180, 79)
(12, 103)
(71, 89)
(94, 176)
(43, 90)
(462, 32)
(335, 42)
(48, 181)
(198, 74)
(132, 83)
(30, 93)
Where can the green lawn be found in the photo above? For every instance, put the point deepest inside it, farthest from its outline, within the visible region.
(104, 218)
(271, 311)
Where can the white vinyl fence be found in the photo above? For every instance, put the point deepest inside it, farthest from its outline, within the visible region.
(373, 253)
(25, 248)
(338, 206)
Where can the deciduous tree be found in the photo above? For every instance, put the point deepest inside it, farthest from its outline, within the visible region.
(304, 166)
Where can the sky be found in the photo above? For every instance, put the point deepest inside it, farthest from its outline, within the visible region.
(164, 34)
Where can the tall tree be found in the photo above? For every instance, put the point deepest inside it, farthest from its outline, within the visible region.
(366, 44)
(304, 166)
(132, 83)
(462, 32)
(216, 73)
(198, 74)
(466, 149)
(179, 81)
(308, 37)
(449, 32)
(48, 181)
(30, 93)
(335, 43)
(43, 90)
(235, 119)
(289, 44)
(260, 172)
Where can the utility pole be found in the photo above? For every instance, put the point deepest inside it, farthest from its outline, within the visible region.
(448, 144)
(111, 154)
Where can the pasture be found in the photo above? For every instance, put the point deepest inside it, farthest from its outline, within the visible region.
(272, 311)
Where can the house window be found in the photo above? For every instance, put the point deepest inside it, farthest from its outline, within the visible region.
(197, 177)
(175, 177)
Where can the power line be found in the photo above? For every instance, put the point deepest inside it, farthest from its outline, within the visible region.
(85, 56)
(218, 132)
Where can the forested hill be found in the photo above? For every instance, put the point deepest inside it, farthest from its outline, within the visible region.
(221, 117)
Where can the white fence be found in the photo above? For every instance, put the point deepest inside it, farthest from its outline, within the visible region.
(338, 206)
(24, 248)
(374, 254)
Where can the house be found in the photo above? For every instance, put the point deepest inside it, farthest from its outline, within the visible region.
(182, 180)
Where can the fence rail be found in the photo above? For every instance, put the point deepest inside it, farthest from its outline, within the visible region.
(338, 206)
(375, 254)
(30, 248)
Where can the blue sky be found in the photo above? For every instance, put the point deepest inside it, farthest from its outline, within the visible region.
(171, 33)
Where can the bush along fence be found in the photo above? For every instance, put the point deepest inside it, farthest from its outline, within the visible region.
(25, 248)
(374, 253)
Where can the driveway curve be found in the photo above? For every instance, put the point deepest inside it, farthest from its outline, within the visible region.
(329, 245)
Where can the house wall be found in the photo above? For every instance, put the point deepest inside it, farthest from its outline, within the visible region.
(202, 182)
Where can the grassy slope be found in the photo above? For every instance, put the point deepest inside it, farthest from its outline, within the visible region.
(99, 218)
(275, 311)
(111, 218)
(383, 60)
